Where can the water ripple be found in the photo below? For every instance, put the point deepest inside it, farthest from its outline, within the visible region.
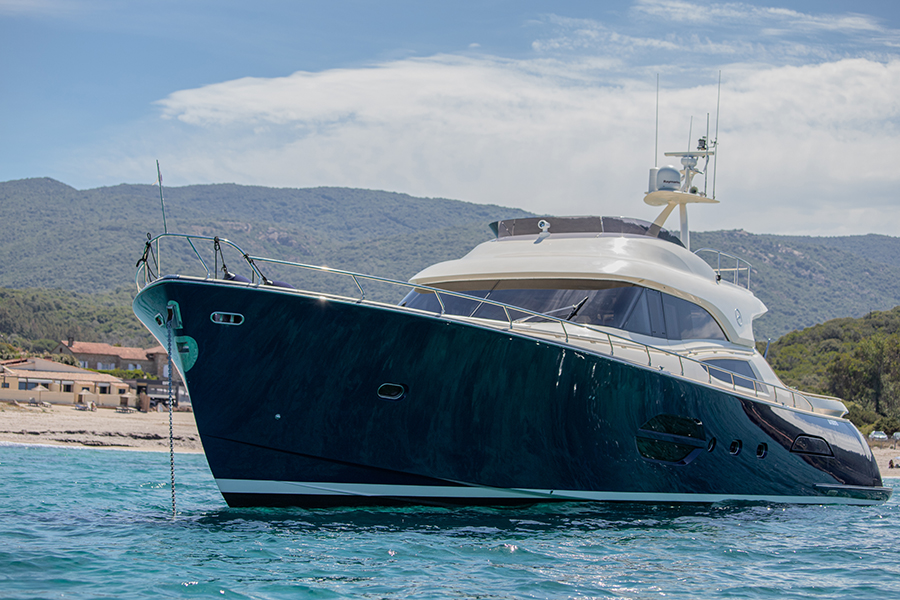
(97, 524)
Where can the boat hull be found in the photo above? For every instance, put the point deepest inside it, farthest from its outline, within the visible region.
(313, 402)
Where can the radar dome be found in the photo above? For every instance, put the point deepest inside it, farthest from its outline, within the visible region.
(668, 178)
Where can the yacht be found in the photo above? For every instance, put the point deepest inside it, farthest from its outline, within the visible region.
(567, 359)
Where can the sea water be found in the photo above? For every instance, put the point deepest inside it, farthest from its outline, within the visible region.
(89, 523)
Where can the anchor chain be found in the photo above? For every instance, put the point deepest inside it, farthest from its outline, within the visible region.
(171, 432)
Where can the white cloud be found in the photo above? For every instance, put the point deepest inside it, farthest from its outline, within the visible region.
(805, 149)
(699, 32)
(678, 11)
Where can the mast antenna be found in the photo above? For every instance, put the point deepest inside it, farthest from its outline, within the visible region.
(161, 201)
(706, 164)
(656, 144)
(690, 134)
(716, 141)
(165, 227)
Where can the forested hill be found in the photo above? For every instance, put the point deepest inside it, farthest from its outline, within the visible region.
(854, 359)
(53, 236)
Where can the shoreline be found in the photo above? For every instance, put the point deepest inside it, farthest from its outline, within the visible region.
(64, 426)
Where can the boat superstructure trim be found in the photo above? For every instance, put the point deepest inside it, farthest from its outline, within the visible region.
(290, 492)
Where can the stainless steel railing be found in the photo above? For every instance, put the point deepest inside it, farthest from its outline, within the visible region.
(739, 274)
(580, 334)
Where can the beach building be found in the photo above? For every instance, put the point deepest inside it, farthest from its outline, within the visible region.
(153, 361)
(42, 380)
(106, 357)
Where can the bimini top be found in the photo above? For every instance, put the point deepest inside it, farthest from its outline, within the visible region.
(614, 249)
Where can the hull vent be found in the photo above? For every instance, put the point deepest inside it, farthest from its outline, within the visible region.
(671, 439)
(807, 444)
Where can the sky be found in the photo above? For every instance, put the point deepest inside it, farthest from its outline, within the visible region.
(545, 106)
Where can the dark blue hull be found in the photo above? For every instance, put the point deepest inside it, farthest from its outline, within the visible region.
(288, 407)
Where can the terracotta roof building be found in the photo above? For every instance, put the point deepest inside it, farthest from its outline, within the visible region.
(105, 357)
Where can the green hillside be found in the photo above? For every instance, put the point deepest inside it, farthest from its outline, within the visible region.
(54, 236)
(855, 359)
(36, 319)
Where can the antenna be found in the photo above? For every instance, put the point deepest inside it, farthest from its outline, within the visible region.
(716, 142)
(706, 164)
(690, 134)
(656, 145)
(163, 204)
(161, 201)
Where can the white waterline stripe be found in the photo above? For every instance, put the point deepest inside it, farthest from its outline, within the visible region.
(247, 486)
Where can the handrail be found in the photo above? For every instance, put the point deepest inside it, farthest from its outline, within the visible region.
(735, 271)
(611, 339)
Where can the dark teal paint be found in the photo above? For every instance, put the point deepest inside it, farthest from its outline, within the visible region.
(483, 407)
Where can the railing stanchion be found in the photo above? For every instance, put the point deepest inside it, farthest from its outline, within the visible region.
(359, 287)
(200, 258)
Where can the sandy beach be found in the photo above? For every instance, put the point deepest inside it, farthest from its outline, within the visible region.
(106, 428)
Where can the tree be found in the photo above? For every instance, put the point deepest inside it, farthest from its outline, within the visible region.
(869, 374)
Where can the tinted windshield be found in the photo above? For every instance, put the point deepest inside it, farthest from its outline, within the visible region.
(607, 303)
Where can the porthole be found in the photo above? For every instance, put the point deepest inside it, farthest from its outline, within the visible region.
(711, 445)
(735, 448)
(224, 318)
(762, 450)
(392, 391)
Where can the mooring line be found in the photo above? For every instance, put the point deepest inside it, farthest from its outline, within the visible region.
(171, 434)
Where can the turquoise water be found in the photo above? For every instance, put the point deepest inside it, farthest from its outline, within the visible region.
(87, 523)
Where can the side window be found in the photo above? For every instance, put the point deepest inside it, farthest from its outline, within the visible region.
(453, 305)
(741, 367)
(687, 321)
(639, 319)
(663, 316)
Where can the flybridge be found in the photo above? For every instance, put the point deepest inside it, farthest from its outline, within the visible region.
(579, 225)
